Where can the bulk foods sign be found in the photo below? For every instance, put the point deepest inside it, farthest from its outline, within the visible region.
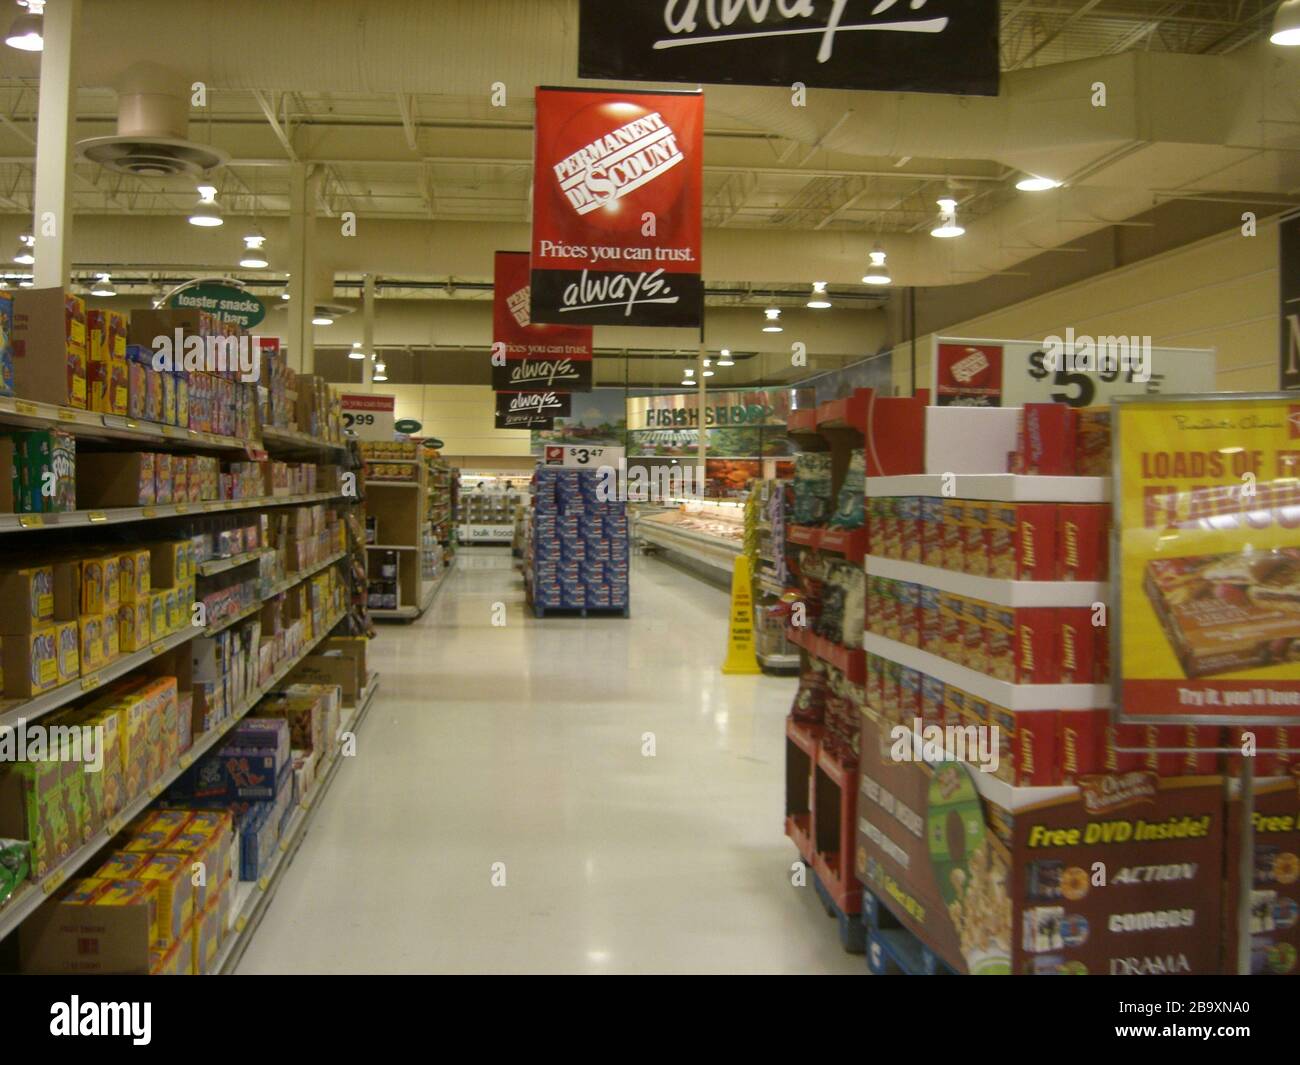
(546, 357)
(943, 46)
(617, 199)
(228, 303)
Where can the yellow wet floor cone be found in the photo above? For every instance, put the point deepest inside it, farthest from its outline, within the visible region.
(740, 639)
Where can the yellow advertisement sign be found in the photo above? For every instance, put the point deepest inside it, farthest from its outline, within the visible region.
(1207, 573)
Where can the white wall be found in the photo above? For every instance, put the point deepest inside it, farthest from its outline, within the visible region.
(1218, 293)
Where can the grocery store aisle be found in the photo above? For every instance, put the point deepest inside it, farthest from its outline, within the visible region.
(522, 745)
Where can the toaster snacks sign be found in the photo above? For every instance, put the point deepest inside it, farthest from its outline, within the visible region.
(1208, 513)
(617, 199)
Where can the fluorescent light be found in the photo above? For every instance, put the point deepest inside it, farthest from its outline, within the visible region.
(102, 286)
(819, 301)
(207, 212)
(724, 358)
(27, 32)
(1034, 183)
(284, 295)
(948, 226)
(1286, 25)
(322, 319)
(708, 373)
(773, 316)
(878, 272)
(25, 245)
(254, 255)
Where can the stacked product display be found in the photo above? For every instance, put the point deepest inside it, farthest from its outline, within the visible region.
(766, 514)
(133, 651)
(577, 552)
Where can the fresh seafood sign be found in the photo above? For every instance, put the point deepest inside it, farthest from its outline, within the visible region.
(1207, 568)
(617, 201)
(940, 46)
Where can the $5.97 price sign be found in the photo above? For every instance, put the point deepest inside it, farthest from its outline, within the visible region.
(368, 417)
(583, 458)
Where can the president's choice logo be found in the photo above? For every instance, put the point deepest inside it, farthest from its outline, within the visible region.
(197, 354)
(77, 1018)
(517, 303)
(618, 163)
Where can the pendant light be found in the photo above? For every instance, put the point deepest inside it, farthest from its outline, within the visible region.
(948, 226)
(102, 287)
(1034, 183)
(27, 32)
(26, 255)
(381, 371)
(207, 212)
(724, 358)
(322, 319)
(878, 272)
(356, 352)
(819, 300)
(773, 316)
(1286, 25)
(254, 257)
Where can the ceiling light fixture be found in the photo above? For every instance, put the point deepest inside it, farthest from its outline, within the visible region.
(254, 254)
(724, 358)
(948, 226)
(322, 319)
(1034, 183)
(284, 295)
(26, 33)
(381, 371)
(102, 286)
(819, 301)
(356, 352)
(1286, 25)
(27, 282)
(878, 272)
(708, 373)
(207, 212)
(773, 316)
(25, 256)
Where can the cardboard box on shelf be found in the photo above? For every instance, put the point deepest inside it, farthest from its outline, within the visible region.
(116, 479)
(50, 347)
(26, 599)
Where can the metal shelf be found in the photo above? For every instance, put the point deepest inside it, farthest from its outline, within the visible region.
(252, 897)
(74, 519)
(32, 893)
(220, 565)
(271, 593)
(12, 711)
(997, 590)
(97, 425)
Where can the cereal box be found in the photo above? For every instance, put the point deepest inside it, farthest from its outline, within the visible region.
(975, 538)
(954, 541)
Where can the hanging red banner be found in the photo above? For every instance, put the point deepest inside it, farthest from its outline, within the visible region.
(617, 193)
(536, 357)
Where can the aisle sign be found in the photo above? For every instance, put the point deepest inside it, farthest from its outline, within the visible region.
(531, 410)
(368, 417)
(1207, 559)
(1079, 370)
(581, 457)
(618, 186)
(227, 302)
(1288, 230)
(945, 46)
(537, 356)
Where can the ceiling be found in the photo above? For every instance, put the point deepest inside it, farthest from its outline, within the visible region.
(454, 157)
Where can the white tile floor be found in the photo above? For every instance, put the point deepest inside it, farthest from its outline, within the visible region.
(522, 745)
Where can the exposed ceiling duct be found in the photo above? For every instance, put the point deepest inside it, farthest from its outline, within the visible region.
(152, 127)
(1171, 125)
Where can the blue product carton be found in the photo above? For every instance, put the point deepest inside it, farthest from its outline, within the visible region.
(269, 732)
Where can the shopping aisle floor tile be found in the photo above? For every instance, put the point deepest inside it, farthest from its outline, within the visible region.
(522, 745)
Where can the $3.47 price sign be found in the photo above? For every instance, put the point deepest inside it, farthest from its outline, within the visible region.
(582, 458)
(368, 417)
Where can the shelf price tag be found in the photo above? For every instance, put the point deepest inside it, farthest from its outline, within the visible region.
(31, 521)
(263, 884)
(66, 415)
(21, 406)
(54, 881)
(182, 508)
(95, 517)
(149, 512)
(89, 682)
(158, 648)
(241, 923)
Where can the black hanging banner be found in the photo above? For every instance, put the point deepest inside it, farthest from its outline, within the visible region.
(941, 46)
(1288, 230)
(531, 410)
(564, 375)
